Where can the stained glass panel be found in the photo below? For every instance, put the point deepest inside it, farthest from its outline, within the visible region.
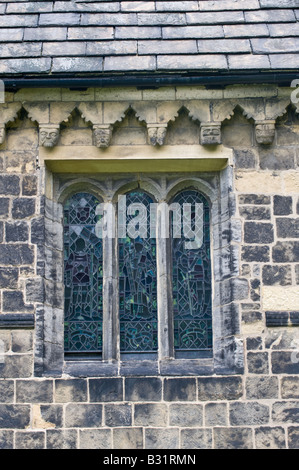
(83, 277)
(191, 260)
(138, 279)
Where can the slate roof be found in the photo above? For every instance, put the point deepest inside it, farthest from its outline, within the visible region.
(94, 38)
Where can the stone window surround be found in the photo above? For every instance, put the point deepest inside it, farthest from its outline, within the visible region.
(226, 237)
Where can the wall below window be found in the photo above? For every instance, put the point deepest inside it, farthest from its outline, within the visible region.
(253, 407)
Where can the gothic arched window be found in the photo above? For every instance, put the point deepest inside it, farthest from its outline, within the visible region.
(83, 276)
(191, 276)
(137, 277)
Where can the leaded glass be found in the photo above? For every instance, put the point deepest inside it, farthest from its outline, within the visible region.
(192, 297)
(138, 279)
(83, 277)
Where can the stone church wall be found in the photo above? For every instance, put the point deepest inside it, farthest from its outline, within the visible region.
(252, 130)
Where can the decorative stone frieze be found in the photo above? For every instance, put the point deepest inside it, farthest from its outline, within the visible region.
(48, 135)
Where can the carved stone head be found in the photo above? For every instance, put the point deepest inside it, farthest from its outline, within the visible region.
(2, 133)
(265, 132)
(48, 136)
(156, 135)
(102, 135)
(210, 134)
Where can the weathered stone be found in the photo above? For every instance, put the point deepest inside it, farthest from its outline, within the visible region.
(151, 414)
(287, 227)
(16, 232)
(61, 439)
(277, 275)
(254, 199)
(219, 388)
(29, 185)
(104, 390)
(157, 438)
(16, 366)
(6, 392)
(285, 252)
(13, 301)
(183, 415)
(254, 344)
(30, 440)
(9, 185)
(285, 362)
(257, 362)
(127, 438)
(96, 439)
(8, 278)
(285, 412)
(255, 213)
(21, 341)
(233, 438)
(14, 416)
(293, 437)
(23, 207)
(259, 388)
(83, 415)
(270, 438)
(34, 391)
(253, 413)
(256, 253)
(118, 415)
(181, 389)
(68, 390)
(6, 439)
(261, 233)
(196, 438)
(143, 389)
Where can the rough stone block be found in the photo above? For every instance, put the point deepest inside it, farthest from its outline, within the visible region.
(83, 415)
(260, 388)
(293, 437)
(16, 232)
(282, 205)
(181, 389)
(13, 301)
(256, 254)
(127, 438)
(277, 275)
(6, 392)
(219, 388)
(21, 341)
(267, 437)
(196, 439)
(285, 252)
(8, 278)
(261, 233)
(95, 439)
(34, 391)
(186, 415)
(216, 414)
(16, 366)
(23, 207)
(9, 185)
(253, 413)
(30, 440)
(151, 414)
(233, 438)
(285, 412)
(160, 438)
(69, 390)
(143, 389)
(61, 439)
(285, 362)
(255, 213)
(287, 227)
(118, 415)
(104, 390)
(257, 362)
(6, 439)
(14, 416)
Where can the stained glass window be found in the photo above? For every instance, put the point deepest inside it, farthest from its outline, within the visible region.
(82, 276)
(191, 265)
(138, 278)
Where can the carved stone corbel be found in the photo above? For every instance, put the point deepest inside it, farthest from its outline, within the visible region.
(48, 134)
(102, 134)
(2, 133)
(264, 132)
(156, 134)
(210, 133)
